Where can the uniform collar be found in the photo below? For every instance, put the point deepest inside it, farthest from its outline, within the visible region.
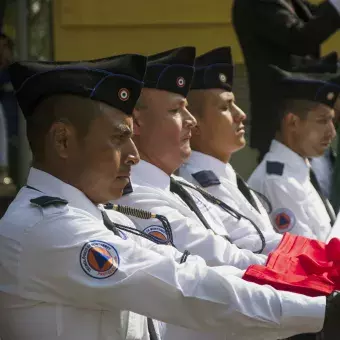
(52, 186)
(202, 161)
(149, 173)
(291, 159)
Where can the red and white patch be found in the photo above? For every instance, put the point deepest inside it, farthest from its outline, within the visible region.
(180, 82)
(284, 220)
(124, 94)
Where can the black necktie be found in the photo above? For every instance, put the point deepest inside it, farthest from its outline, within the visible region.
(152, 330)
(243, 187)
(177, 188)
(325, 201)
(111, 226)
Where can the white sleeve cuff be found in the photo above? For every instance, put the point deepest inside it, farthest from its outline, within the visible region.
(303, 312)
(336, 5)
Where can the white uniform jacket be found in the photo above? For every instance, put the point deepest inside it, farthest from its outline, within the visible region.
(283, 177)
(220, 180)
(64, 275)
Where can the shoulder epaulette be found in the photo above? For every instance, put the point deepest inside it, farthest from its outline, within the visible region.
(128, 189)
(45, 201)
(275, 168)
(206, 178)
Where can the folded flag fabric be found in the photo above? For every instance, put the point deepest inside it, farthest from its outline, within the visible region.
(300, 265)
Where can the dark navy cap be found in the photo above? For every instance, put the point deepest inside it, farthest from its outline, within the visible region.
(214, 70)
(325, 64)
(171, 70)
(116, 81)
(303, 86)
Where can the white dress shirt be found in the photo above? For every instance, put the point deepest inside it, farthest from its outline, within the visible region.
(241, 232)
(283, 177)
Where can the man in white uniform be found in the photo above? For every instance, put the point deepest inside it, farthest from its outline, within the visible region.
(68, 272)
(305, 129)
(218, 134)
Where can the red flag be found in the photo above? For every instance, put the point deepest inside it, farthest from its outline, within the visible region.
(300, 265)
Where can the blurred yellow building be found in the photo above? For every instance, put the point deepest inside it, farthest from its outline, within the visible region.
(97, 28)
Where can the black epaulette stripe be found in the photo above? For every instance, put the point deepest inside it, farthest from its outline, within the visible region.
(45, 201)
(274, 168)
(206, 178)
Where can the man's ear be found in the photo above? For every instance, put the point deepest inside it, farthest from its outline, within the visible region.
(62, 135)
(291, 120)
(337, 109)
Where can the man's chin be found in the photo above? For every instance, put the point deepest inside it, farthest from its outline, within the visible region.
(242, 143)
(117, 188)
(114, 195)
(239, 145)
(317, 153)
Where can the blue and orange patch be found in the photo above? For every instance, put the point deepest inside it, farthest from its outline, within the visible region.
(158, 233)
(284, 220)
(99, 259)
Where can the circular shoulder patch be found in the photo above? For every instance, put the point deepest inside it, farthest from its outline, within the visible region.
(158, 233)
(284, 220)
(99, 259)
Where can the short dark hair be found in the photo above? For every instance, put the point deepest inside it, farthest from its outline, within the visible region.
(299, 107)
(77, 111)
(196, 102)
